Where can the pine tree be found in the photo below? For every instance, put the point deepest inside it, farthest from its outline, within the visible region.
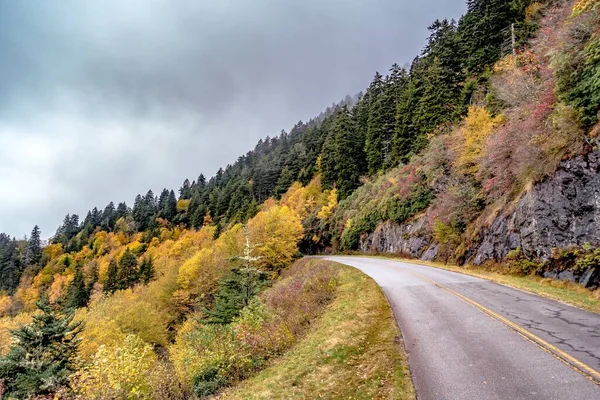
(162, 201)
(185, 192)
(349, 154)
(78, 295)
(122, 211)
(146, 272)
(170, 210)
(33, 252)
(41, 359)
(93, 276)
(109, 217)
(376, 124)
(11, 266)
(128, 270)
(139, 213)
(111, 284)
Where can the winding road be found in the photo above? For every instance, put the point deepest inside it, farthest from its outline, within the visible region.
(469, 338)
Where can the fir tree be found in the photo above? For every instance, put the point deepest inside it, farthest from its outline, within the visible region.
(78, 295)
(128, 271)
(41, 359)
(33, 252)
(170, 210)
(111, 284)
(146, 272)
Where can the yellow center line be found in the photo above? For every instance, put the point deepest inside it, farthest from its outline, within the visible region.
(576, 365)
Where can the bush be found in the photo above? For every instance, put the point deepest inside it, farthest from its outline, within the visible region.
(208, 382)
(207, 357)
(123, 371)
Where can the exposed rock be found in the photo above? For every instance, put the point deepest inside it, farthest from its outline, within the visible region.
(410, 239)
(559, 212)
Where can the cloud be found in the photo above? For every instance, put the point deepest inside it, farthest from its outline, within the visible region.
(101, 100)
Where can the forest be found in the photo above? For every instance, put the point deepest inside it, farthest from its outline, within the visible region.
(196, 285)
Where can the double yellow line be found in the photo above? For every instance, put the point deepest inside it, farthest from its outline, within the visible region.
(573, 363)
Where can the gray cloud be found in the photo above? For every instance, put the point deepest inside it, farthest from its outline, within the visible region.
(100, 100)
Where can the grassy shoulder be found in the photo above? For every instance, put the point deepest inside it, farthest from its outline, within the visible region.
(565, 291)
(353, 351)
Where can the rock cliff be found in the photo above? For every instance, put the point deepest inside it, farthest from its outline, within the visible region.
(561, 211)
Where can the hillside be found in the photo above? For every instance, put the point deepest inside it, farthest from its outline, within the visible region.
(483, 152)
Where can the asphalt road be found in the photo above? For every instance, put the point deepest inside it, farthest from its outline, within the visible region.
(469, 338)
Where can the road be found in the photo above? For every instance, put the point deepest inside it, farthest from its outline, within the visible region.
(469, 338)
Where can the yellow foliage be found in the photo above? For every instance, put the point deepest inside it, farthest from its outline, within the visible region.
(7, 325)
(136, 247)
(98, 243)
(6, 304)
(303, 200)
(27, 294)
(332, 202)
(123, 371)
(582, 6)
(532, 11)
(506, 63)
(477, 126)
(60, 286)
(99, 330)
(198, 276)
(182, 205)
(52, 251)
(199, 346)
(184, 355)
(126, 311)
(275, 234)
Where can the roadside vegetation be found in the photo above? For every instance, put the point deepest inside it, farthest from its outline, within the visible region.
(353, 351)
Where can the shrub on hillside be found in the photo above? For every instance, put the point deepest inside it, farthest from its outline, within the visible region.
(207, 357)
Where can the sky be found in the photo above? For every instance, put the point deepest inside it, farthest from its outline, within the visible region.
(102, 100)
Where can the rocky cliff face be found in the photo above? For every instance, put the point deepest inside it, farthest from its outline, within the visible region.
(410, 239)
(561, 211)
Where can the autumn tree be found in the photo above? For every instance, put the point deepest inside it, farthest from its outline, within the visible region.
(275, 233)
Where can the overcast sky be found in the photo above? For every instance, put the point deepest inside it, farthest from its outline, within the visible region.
(101, 100)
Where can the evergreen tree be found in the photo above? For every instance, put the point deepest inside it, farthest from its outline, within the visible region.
(342, 157)
(376, 124)
(41, 358)
(139, 213)
(122, 211)
(128, 270)
(201, 184)
(234, 293)
(146, 272)
(111, 284)
(93, 276)
(480, 31)
(162, 201)
(109, 217)
(33, 251)
(11, 266)
(185, 192)
(78, 295)
(170, 210)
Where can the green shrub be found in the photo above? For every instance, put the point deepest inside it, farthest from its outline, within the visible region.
(208, 382)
